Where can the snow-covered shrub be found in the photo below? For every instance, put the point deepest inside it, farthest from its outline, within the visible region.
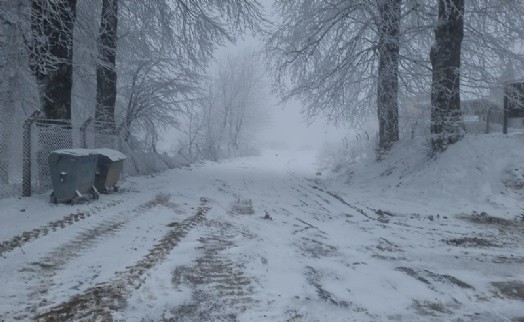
(513, 176)
(243, 207)
(340, 158)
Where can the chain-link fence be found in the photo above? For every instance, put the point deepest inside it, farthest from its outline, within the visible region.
(4, 160)
(483, 122)
(104, 135)
(47, 136)
(24, 152)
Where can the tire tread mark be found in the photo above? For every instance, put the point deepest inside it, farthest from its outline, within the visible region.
(27, 236)
(101, 299)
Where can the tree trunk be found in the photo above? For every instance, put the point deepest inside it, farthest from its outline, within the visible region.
(52, 24)
(387, 92)
(106, 69)
(11, 67)
(446, 119)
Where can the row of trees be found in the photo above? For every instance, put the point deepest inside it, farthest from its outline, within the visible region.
(224, 121)
(341, 57)
(140, 64)
(136, 62)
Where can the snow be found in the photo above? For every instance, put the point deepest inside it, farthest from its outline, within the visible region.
(409, 238)
(473, 173)
(113, 155)
(74, 152)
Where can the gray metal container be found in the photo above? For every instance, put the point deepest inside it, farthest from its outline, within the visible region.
(109, 166)
(72, 175)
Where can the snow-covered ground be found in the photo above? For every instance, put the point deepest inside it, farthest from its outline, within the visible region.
(270, 238)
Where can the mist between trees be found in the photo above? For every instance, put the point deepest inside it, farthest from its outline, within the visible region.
(349, 60)
(136, 67)
(223, 122)
(141, 67)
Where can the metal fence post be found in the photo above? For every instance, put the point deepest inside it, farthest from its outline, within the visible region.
(83, 130)
(4, 151)
(488, 116)
(505, 122)
(26, 159)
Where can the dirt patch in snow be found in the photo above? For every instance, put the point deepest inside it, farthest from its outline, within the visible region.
(27, 236)
(294, 316)
(220, 287)
(429, 278)
(471, 242)
(243, 207)
(411, 272)
(385, 245)
(339, 198)
(508, 259)
(512, 289)
(448, 279)
(434, 308)
(314, 277)
(484, 218)
(513, 177)
(100, 300)
(315, 249)
(429, 308)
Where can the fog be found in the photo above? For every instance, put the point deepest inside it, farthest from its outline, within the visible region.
(286, 127)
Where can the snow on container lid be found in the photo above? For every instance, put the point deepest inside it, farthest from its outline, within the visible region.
(73, 152)
(113, 155)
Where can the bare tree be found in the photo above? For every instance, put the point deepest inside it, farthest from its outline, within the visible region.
(163, 49)
(225, 121)
(493, 32)
(239, 93)
(155, 96)
(388, 69)
(340, 58)
(192, 124)
(52, 24)
(164, 41)
(106, 72)
(445, 59)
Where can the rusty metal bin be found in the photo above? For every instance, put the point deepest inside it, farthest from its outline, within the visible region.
(72, 175)
(109, 166)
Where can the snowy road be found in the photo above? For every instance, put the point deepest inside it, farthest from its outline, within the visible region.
(255, 239)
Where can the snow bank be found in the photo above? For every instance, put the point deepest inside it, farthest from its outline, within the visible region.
(143, 163)
(74, 152)
(113, 155)
(480, 171)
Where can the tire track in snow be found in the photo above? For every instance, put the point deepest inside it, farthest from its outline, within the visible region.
(313, 243)
(314, 278)
(27, 236)
(313, 184)
(312, 205)
(43, 270)
(305, 194)
(221, 290)
(99, 301)
(339, 198)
